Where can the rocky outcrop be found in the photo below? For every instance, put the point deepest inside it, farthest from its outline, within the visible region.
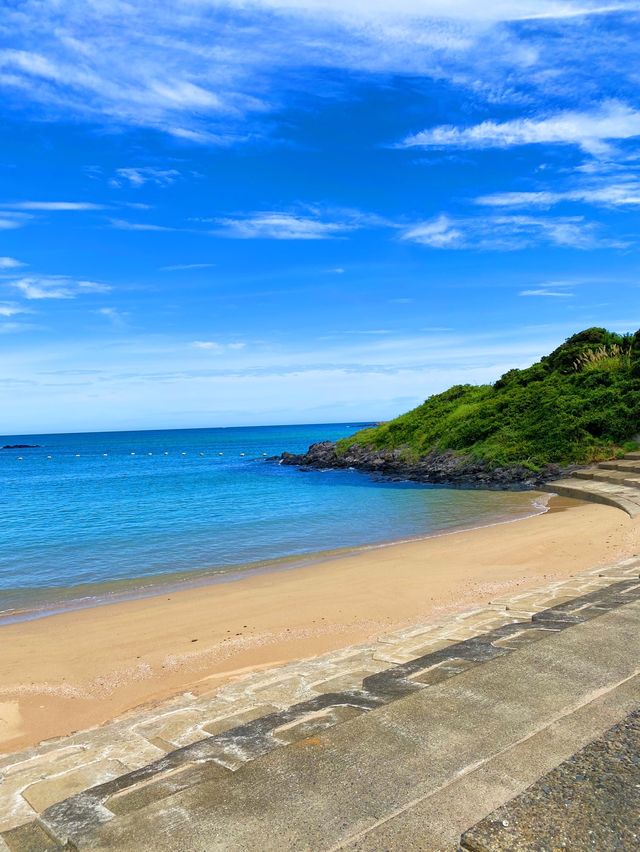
(445, 468)
(20, 447)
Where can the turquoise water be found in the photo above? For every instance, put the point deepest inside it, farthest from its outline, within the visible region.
(89, 515)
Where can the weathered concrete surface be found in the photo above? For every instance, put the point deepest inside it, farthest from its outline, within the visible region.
(338, 786)
(615, 483)
(436, 822)
(591, 801)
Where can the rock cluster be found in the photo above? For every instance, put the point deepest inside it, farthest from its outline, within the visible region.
(446, 468)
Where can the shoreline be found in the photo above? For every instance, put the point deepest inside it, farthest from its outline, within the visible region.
(139, 588)
(80, 668)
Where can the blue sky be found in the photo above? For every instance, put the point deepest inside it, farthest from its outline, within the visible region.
(240, 213)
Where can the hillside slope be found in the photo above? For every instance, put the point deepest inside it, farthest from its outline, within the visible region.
(577, 405)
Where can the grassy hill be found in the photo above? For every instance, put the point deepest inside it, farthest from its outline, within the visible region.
(577, 405)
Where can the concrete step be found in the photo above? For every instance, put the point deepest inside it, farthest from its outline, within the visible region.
(616, 477)
(617, 495)
(493, 713)
(591, 801)
(627, 465)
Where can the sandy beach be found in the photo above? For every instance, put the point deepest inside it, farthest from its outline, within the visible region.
(73, 670)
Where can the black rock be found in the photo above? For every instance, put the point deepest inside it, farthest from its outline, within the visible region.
(444, 468)
(20, 447)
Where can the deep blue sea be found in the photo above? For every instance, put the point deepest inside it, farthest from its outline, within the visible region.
(89, 516)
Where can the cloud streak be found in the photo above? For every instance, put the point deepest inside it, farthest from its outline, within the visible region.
(592, 131)
(198, 71)
(507, 233)
(273, 225)
(54, 206)
(56, 287)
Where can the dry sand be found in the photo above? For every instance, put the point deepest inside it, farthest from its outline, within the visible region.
(74, 670)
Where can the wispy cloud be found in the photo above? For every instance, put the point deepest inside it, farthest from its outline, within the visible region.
(56, 287)
(552, 290)
(10, 309)
(124, 225)
(592, 131)
(141, 175)
(216, 346)
(10, 263)
(116, 317)
(197, 71)
(611, 195)
(282, 226)
(507, 233)
(52, 206)
(10, 220)
(181, 267)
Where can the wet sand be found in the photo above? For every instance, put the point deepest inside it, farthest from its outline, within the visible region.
(73, 670)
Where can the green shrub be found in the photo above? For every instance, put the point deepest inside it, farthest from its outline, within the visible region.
(579, 404)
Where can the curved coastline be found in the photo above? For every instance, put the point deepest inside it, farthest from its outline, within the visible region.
(78, 669)
(61, 600)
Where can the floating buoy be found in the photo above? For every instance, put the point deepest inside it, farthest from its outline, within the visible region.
(77, 455)
(19, 458)
(183, 454)
(166, 454)
(49, 457)
(241, 454)
(149, 454)
(220, 454)
(132, 454)
(105, 454)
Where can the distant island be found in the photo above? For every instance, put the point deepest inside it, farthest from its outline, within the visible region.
(578, 405)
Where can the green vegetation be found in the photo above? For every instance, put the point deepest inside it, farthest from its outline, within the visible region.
(579, 404)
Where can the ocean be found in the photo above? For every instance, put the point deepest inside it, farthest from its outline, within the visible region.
(90, 517)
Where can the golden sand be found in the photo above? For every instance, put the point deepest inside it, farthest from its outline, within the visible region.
(74, 670)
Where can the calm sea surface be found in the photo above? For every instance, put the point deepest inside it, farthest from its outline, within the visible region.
(87, 516)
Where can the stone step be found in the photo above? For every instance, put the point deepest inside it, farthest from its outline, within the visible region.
(633, 456)
(616, 477)
(626, 465)
(331, 771)
(619, 496)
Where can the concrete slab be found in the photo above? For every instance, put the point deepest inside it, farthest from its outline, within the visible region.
(322, 792)
(590, 801)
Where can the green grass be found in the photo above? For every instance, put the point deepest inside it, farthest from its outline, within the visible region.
(579, 404)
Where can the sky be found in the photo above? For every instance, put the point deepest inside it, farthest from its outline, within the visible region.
(240, 213)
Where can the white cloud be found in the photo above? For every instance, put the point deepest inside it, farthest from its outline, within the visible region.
(10, 220)
(281, 226)
(215, 346)
(198, 70)
(141, 175)
(116, 317)
(54, 205)
(613, 195)
(551, 289)
(544, 291)
(10, 263)
(592, 131)
(507, 233)
(8, 309)
(440, 232)
(56, 287)
(123, 225)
